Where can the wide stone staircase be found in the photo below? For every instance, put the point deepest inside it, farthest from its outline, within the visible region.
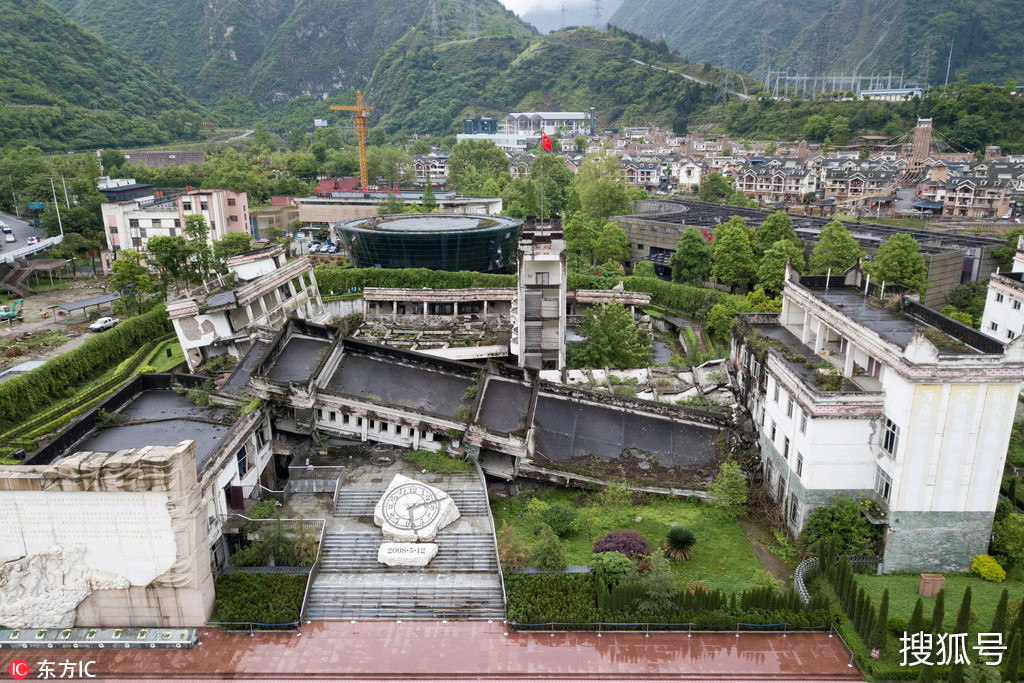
(461, 581)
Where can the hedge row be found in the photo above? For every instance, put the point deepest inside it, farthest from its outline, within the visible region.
(691, 300)
(261, 599)
(36, 390)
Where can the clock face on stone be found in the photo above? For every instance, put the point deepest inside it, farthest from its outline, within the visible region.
(411, 506)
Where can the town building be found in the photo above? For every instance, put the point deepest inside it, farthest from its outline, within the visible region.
(866, 393)
(166, 158)
(126, 189)
(769, 184)
(130, 224)
(1003, 318)
(262, 289)
(539, 309)
(324, 211)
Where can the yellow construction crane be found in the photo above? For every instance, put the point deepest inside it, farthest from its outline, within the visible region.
(360, 110)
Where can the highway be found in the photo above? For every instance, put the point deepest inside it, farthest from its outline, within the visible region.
(22, 231)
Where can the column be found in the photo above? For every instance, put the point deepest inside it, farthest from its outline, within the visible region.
(805, 333)
(455, 310)
(394, 310)
(416, 438)
(366, 428)
(425, 307)
(848, 361)
(485, 309)
(819, 336)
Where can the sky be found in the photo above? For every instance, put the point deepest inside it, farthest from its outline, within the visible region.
(521, 6)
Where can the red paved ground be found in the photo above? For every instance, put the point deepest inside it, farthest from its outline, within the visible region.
(467, 650)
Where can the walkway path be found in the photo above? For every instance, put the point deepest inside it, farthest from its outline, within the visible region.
(468, 650)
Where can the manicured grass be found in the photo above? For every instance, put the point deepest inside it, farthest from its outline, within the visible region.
(722, 556)
(161, 361)
(903, 596)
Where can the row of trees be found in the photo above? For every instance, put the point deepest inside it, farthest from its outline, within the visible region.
(740, 256)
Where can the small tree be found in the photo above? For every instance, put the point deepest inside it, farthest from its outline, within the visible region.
(611, 567)
(233, 243)
(691, 261)
(612, 244)
(560, 517)
(534, 515)
(613, 339)
(899, 261)
(938, 611)
(429, 200)
(836, 249)
(963, 617)
(732, 258)
(644, 269)
(881, 630)
(1013, 659)
(916, 623)
(771, 274)
(999, 620)
(131, 278)
(198, 234)
(679, 543)
(514, 554)
(728, 490)
(629, 542)
(843, 523)
(548, 554)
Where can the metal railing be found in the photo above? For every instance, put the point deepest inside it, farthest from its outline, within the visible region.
(41, 245)
(494, 536)
(736, 627)
(314, 571)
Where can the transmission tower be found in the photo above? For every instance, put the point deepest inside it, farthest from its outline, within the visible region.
(598, 13)
(924, 68)
(458, 12)
(433, 17)
(472, 19)
(563, 13)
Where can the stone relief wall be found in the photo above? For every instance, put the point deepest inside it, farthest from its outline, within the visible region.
(105, 539)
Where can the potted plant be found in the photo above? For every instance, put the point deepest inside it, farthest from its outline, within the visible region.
(91, 634)
(15, 633)
(143, 633)
(65, 634)
(40, 633)
(118, 632)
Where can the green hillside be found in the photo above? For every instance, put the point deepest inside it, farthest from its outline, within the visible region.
(843, 36)
(61, 88)
(276, 50)
(426, 86)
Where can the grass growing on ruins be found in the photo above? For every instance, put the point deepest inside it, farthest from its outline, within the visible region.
(439, 463)
(722, 556)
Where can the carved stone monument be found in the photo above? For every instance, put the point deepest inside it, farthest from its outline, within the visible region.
(406, 554)
(411, 511)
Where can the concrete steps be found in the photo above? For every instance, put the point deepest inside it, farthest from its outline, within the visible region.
(356, 552)
(360, 502)
(423, 597)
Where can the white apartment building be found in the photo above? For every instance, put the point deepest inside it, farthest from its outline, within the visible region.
(570, 123)
(130, 224)
(1003, 318)
(225, 319)
(905, 409)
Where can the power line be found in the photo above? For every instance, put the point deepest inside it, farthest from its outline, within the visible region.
(598, 13)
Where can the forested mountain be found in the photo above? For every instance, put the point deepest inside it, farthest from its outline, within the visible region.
(426, 86)
(275, 50)
(60, 87)
(844, 36)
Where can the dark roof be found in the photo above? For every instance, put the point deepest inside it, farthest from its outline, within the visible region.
(92, 301)
(925, 204)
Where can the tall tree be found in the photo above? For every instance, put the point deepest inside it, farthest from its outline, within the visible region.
(881, 630)
(601, 187)
(772, 272)
(613, 339)
(171, 256)
(612, 244)
(836, 249)
(732, 258)
(472, 162)
(716, 188)
(581, 235)
(778, 226)
(900, 262)
(131, 278)
(963, 616)
(999, 620)
(429, 200)
(691, 261)
(232, 243)
(938, 611)
(644, 269)
(198, 234)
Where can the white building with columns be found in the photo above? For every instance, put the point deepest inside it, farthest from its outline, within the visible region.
(887, 402)
(1003, 318)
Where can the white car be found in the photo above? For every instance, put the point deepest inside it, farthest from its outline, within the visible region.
(103, 324)
(314, 248)
(32, 240)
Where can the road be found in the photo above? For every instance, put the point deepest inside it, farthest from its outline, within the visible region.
(742, 95)
(22, 231)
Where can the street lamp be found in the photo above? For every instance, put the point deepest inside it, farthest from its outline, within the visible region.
(56, 205)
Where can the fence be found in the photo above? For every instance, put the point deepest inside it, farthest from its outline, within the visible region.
(253, 626)
(808, 569)
(315, 569)
(689, 627)
(494, 536)
(314, 479)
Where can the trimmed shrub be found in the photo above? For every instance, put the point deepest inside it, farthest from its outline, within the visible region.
(988, 568)
(679, 543)
(543, 598)
(266, 599)
(560, 517)
(548, 554)
(611, 567)
(629, 542)
(513, 554)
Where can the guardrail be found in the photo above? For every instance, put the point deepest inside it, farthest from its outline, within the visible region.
(736, 627)
(809, 568)
(41, 245)
(314, 571)
(494, 537)
(251, 626)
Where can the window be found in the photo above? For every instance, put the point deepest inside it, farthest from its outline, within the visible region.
(994, 327)
(133, 222)
(543, 278)
(243, 461)
(792, 507)
(776, 395)
(177, 222)
(172, 232)
(883, 483)
(231, 201)
(1010, 334)
(332, 416)
(319, 413)
(203, 206)
(156, 223)
(785, 447)
(1016, 304)
(999, 298)
(803, 422)
(232, 219)
(773, 431)
(891, 438)
(142, 232)
(799, 464)
(789, 407)
(186, 206)
(259, 439)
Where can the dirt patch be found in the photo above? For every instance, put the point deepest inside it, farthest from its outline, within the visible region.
(773, 565)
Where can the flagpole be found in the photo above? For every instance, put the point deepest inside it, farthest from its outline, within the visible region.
(541, 160)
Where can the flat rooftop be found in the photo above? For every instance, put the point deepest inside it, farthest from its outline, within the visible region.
(895, 327)
(418, 388)
(504, 405)
(568, 429)
(298, 359)
(428, 223)
(162, 418)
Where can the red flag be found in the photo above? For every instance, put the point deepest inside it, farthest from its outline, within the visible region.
(545, 141)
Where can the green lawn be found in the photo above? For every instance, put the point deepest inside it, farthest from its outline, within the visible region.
(722, 557)
(903, 596)
(161, 361)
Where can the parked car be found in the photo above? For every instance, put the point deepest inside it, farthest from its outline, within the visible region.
(333, 249)
(314, 248)
(104, 324)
